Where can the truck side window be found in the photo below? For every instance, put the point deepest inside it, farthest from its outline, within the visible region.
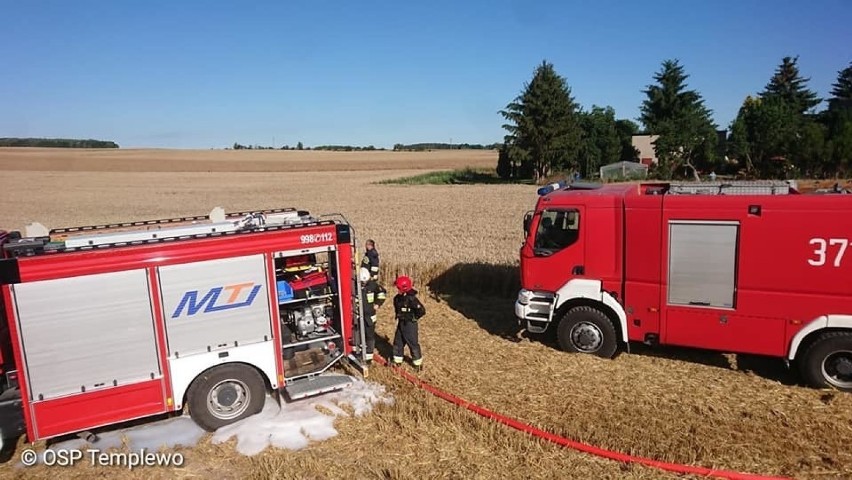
(557, 229)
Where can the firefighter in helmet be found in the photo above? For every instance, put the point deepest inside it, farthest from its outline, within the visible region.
(371, 259)
(409, 311)
(373, 296)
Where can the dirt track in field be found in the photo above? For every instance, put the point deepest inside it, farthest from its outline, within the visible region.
(702, 408)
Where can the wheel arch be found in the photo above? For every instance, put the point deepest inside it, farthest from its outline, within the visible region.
(810, 332)
(588, 302)
(590, 293)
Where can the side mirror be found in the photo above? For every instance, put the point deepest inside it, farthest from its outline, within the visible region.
(527, 223)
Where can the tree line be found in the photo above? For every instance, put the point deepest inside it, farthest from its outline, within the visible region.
(420, 147)
(56, 143)
(399, 147)
(777, 133)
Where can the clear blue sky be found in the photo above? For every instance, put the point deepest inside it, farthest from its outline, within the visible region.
(192, 74)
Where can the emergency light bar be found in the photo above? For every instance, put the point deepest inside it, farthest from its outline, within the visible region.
(570, 186)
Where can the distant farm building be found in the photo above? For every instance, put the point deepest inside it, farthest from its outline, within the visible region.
(645, 145)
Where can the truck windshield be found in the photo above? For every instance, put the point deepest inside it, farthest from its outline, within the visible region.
(557, 229)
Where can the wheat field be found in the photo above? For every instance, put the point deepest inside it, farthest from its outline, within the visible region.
(461, 244)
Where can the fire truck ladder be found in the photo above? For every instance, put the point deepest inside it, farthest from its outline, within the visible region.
(117, 233)
(770, 187)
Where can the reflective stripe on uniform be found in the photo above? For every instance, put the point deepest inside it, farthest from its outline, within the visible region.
(417, 362)
(374, 318)
(397, 359)
(371, 297)
(375, 269)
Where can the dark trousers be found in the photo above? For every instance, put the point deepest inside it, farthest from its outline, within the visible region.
(370, 335)
(406, 334)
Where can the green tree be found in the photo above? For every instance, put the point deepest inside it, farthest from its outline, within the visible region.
(687, 135)
(761, 136)
(776, 135)
(544, 134)
(789, 86)
(626, 129)
(506, 169)
(842, 90)
(600, 143)
(299, 146)
(838, 122)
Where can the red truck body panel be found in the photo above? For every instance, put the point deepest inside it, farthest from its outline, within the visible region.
(108, 404)
(788, 257)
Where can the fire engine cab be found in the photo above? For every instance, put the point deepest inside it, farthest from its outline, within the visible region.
(746, 267)
(108, 323)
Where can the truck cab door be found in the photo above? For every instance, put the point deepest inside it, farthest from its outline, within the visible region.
(554, 250)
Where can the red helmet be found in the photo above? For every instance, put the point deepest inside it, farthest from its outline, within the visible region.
(402, 283)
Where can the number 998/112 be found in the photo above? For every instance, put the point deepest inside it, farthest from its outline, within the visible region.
(316, 238)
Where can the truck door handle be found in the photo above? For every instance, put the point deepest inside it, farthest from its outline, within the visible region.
(578, 270)
(723, 319)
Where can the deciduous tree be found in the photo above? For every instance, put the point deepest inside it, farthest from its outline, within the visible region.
(600, 143)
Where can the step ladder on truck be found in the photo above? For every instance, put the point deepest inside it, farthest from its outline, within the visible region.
(108, 323)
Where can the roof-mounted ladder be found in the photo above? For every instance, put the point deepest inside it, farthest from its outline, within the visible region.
(216, 222)
(769, 187)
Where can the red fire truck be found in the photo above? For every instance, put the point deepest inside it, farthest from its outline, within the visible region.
(747, 267)
(109, 323)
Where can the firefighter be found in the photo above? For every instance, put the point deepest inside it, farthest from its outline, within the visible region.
(373, 296)
(371, 259)
(409, 311)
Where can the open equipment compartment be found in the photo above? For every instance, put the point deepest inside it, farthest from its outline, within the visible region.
(310, 311)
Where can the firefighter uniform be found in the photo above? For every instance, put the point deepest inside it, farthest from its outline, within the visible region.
(371, 260)
(408, 311)
(372, 296)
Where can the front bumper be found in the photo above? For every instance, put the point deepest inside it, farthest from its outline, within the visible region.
(536, 309)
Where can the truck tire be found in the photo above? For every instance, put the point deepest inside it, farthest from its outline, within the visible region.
(827, 362)
(587, 330)
(225, 394)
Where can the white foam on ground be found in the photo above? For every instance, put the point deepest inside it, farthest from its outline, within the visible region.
(166, 434)
(292, 425)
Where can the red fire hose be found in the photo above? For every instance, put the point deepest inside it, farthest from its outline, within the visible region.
(601, 452)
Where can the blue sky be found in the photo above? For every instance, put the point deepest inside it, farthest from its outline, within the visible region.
(207, 74)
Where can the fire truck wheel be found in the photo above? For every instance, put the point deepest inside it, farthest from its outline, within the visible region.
(224, 395)
(587, 330)
(827, 362)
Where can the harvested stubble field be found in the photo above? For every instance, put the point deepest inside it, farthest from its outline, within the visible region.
(714, 410)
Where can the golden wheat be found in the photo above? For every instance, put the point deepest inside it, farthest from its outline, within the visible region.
(459, 242)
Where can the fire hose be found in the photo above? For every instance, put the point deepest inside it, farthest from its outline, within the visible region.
(565, 442)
